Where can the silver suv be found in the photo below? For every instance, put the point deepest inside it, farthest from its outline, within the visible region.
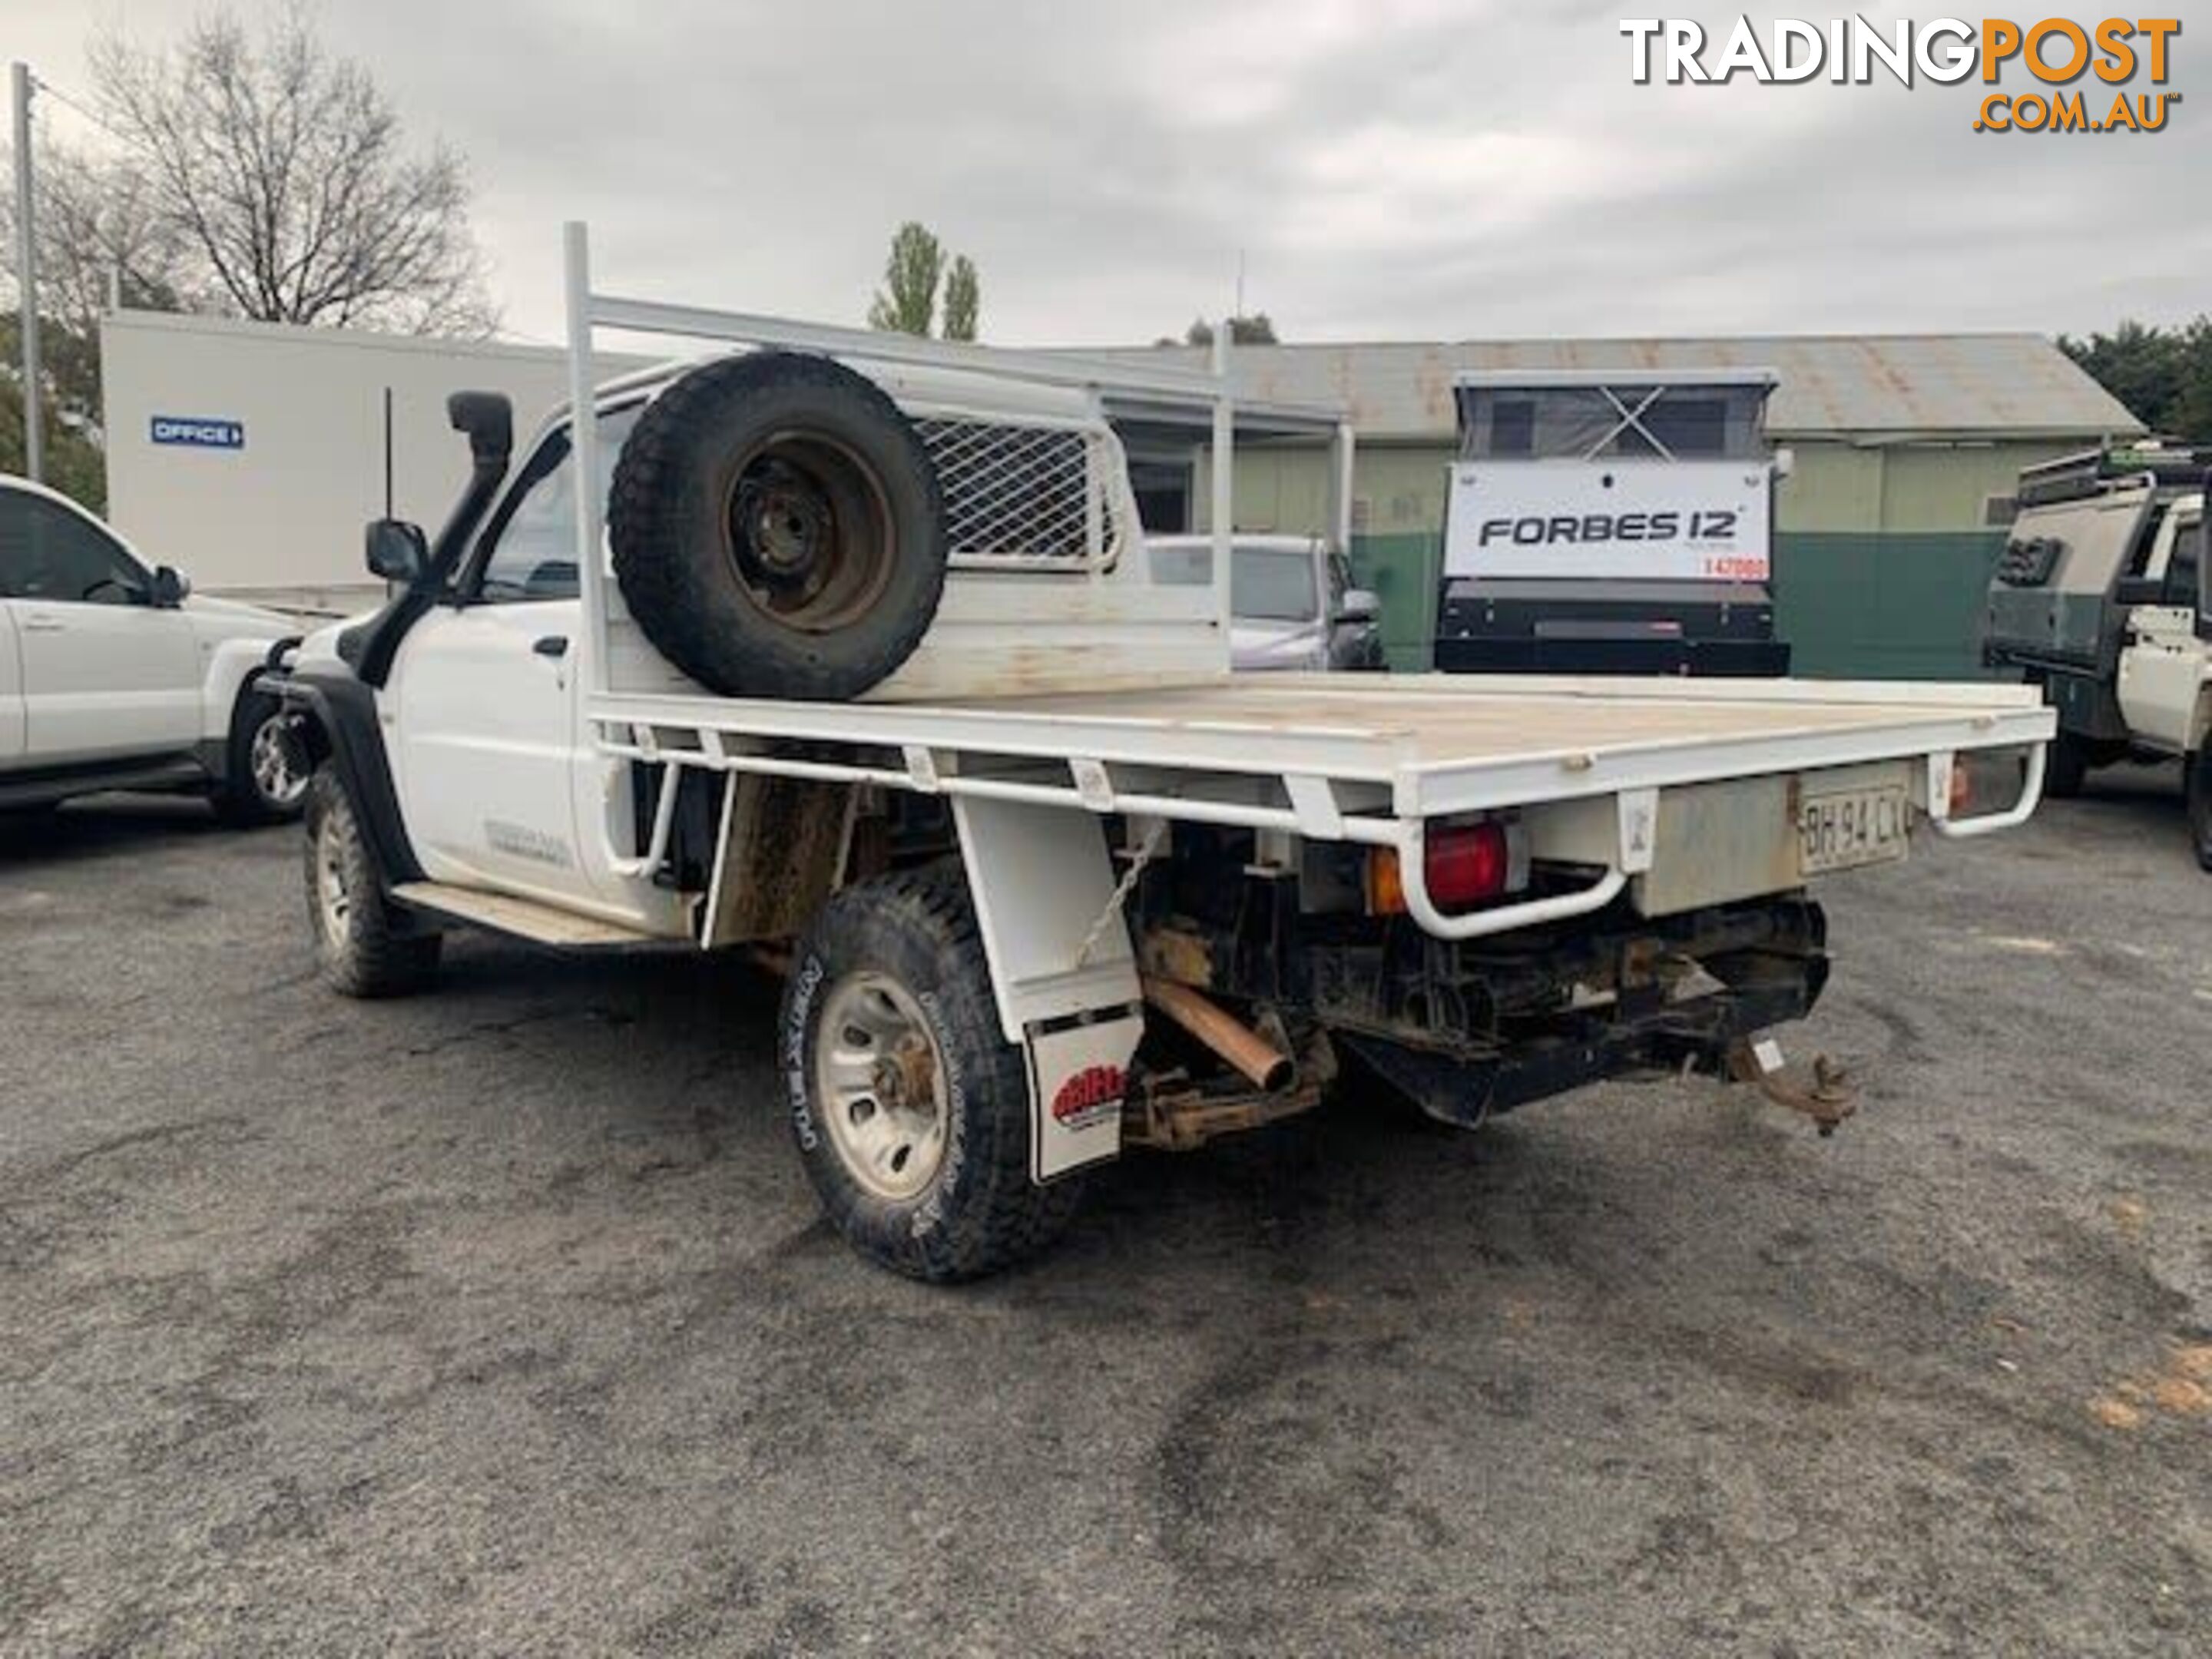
(1291, 601)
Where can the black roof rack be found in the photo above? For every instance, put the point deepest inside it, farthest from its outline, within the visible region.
(2094, 471)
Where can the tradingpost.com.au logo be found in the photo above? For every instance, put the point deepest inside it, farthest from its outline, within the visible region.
(2074, 76)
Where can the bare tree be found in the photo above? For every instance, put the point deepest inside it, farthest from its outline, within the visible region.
(286, 176)
(97, 235)
(102, 235)
(964, 299)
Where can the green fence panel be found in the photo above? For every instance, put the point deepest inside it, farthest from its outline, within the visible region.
(1852, 605)
(1884, 606)
(1403, 572)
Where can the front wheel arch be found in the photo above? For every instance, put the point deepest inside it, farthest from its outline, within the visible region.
(266, 764)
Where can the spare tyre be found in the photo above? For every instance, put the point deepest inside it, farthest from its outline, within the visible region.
(776, 528)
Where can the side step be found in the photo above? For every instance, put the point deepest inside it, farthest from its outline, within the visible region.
(503, 912)
(62, 783)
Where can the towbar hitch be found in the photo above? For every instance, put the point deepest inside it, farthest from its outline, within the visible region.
(1829, 1099)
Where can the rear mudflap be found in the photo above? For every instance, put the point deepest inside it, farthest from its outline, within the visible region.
(1079, 1079)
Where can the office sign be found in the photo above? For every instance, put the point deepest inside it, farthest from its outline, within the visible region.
(198, 432)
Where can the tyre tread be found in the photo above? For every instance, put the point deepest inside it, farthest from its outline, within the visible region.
(2199, 790)
(379, 958)
(669, 595)
(1005, 1218)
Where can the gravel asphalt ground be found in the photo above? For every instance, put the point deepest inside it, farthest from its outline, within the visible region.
(502, 1320)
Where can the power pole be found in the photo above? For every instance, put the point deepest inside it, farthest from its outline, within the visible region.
(26, 281)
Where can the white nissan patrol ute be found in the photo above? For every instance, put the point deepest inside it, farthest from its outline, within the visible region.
(846, 651)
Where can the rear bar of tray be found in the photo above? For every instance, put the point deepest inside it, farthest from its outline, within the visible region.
(1336, 782)
(1353, 754)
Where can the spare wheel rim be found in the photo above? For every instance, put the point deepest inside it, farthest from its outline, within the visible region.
(808, 531)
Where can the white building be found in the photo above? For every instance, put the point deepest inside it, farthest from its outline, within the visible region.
(250, 455)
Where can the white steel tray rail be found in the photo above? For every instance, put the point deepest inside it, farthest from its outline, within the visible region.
(1342, 760)
(1358, 782)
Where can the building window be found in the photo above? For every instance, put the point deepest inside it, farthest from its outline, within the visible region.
(1163, 492)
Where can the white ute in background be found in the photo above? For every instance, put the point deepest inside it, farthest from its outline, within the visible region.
(113, 675)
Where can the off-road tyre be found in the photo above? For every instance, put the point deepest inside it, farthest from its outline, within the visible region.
(266, 772)
(365, 947)
(2199, 788)
(979, 1212)
(777, 530)
(2067, 767)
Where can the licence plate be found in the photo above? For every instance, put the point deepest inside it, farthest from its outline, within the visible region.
(1847, 827)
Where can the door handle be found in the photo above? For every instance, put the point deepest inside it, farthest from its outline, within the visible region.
(555, 646)
(44, 622)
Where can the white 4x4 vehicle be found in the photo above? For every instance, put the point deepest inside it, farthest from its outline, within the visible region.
(870, 672)
(2103, 599)
(2165, 681)
(112, 677)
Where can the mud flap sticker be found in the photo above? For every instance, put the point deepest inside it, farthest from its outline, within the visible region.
(1079, 1075)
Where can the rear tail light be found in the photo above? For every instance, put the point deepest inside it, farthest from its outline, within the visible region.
(1985, 780)
(1466, 865)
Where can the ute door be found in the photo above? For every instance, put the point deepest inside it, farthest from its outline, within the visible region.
(2163, 660)
(104, 672)
(487, 704)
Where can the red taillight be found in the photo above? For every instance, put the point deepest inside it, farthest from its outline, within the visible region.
(1962, 786)
(1467, 864)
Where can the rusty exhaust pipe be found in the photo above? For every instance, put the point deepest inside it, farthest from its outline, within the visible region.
(1266, 1066)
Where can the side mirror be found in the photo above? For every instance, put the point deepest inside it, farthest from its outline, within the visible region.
(396, 550)
(170, 589)
(1358, 605)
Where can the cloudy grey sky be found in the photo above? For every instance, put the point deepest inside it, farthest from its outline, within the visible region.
(1390, 169)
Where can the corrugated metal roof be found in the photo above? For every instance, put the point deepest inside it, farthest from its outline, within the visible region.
(1950, 385)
